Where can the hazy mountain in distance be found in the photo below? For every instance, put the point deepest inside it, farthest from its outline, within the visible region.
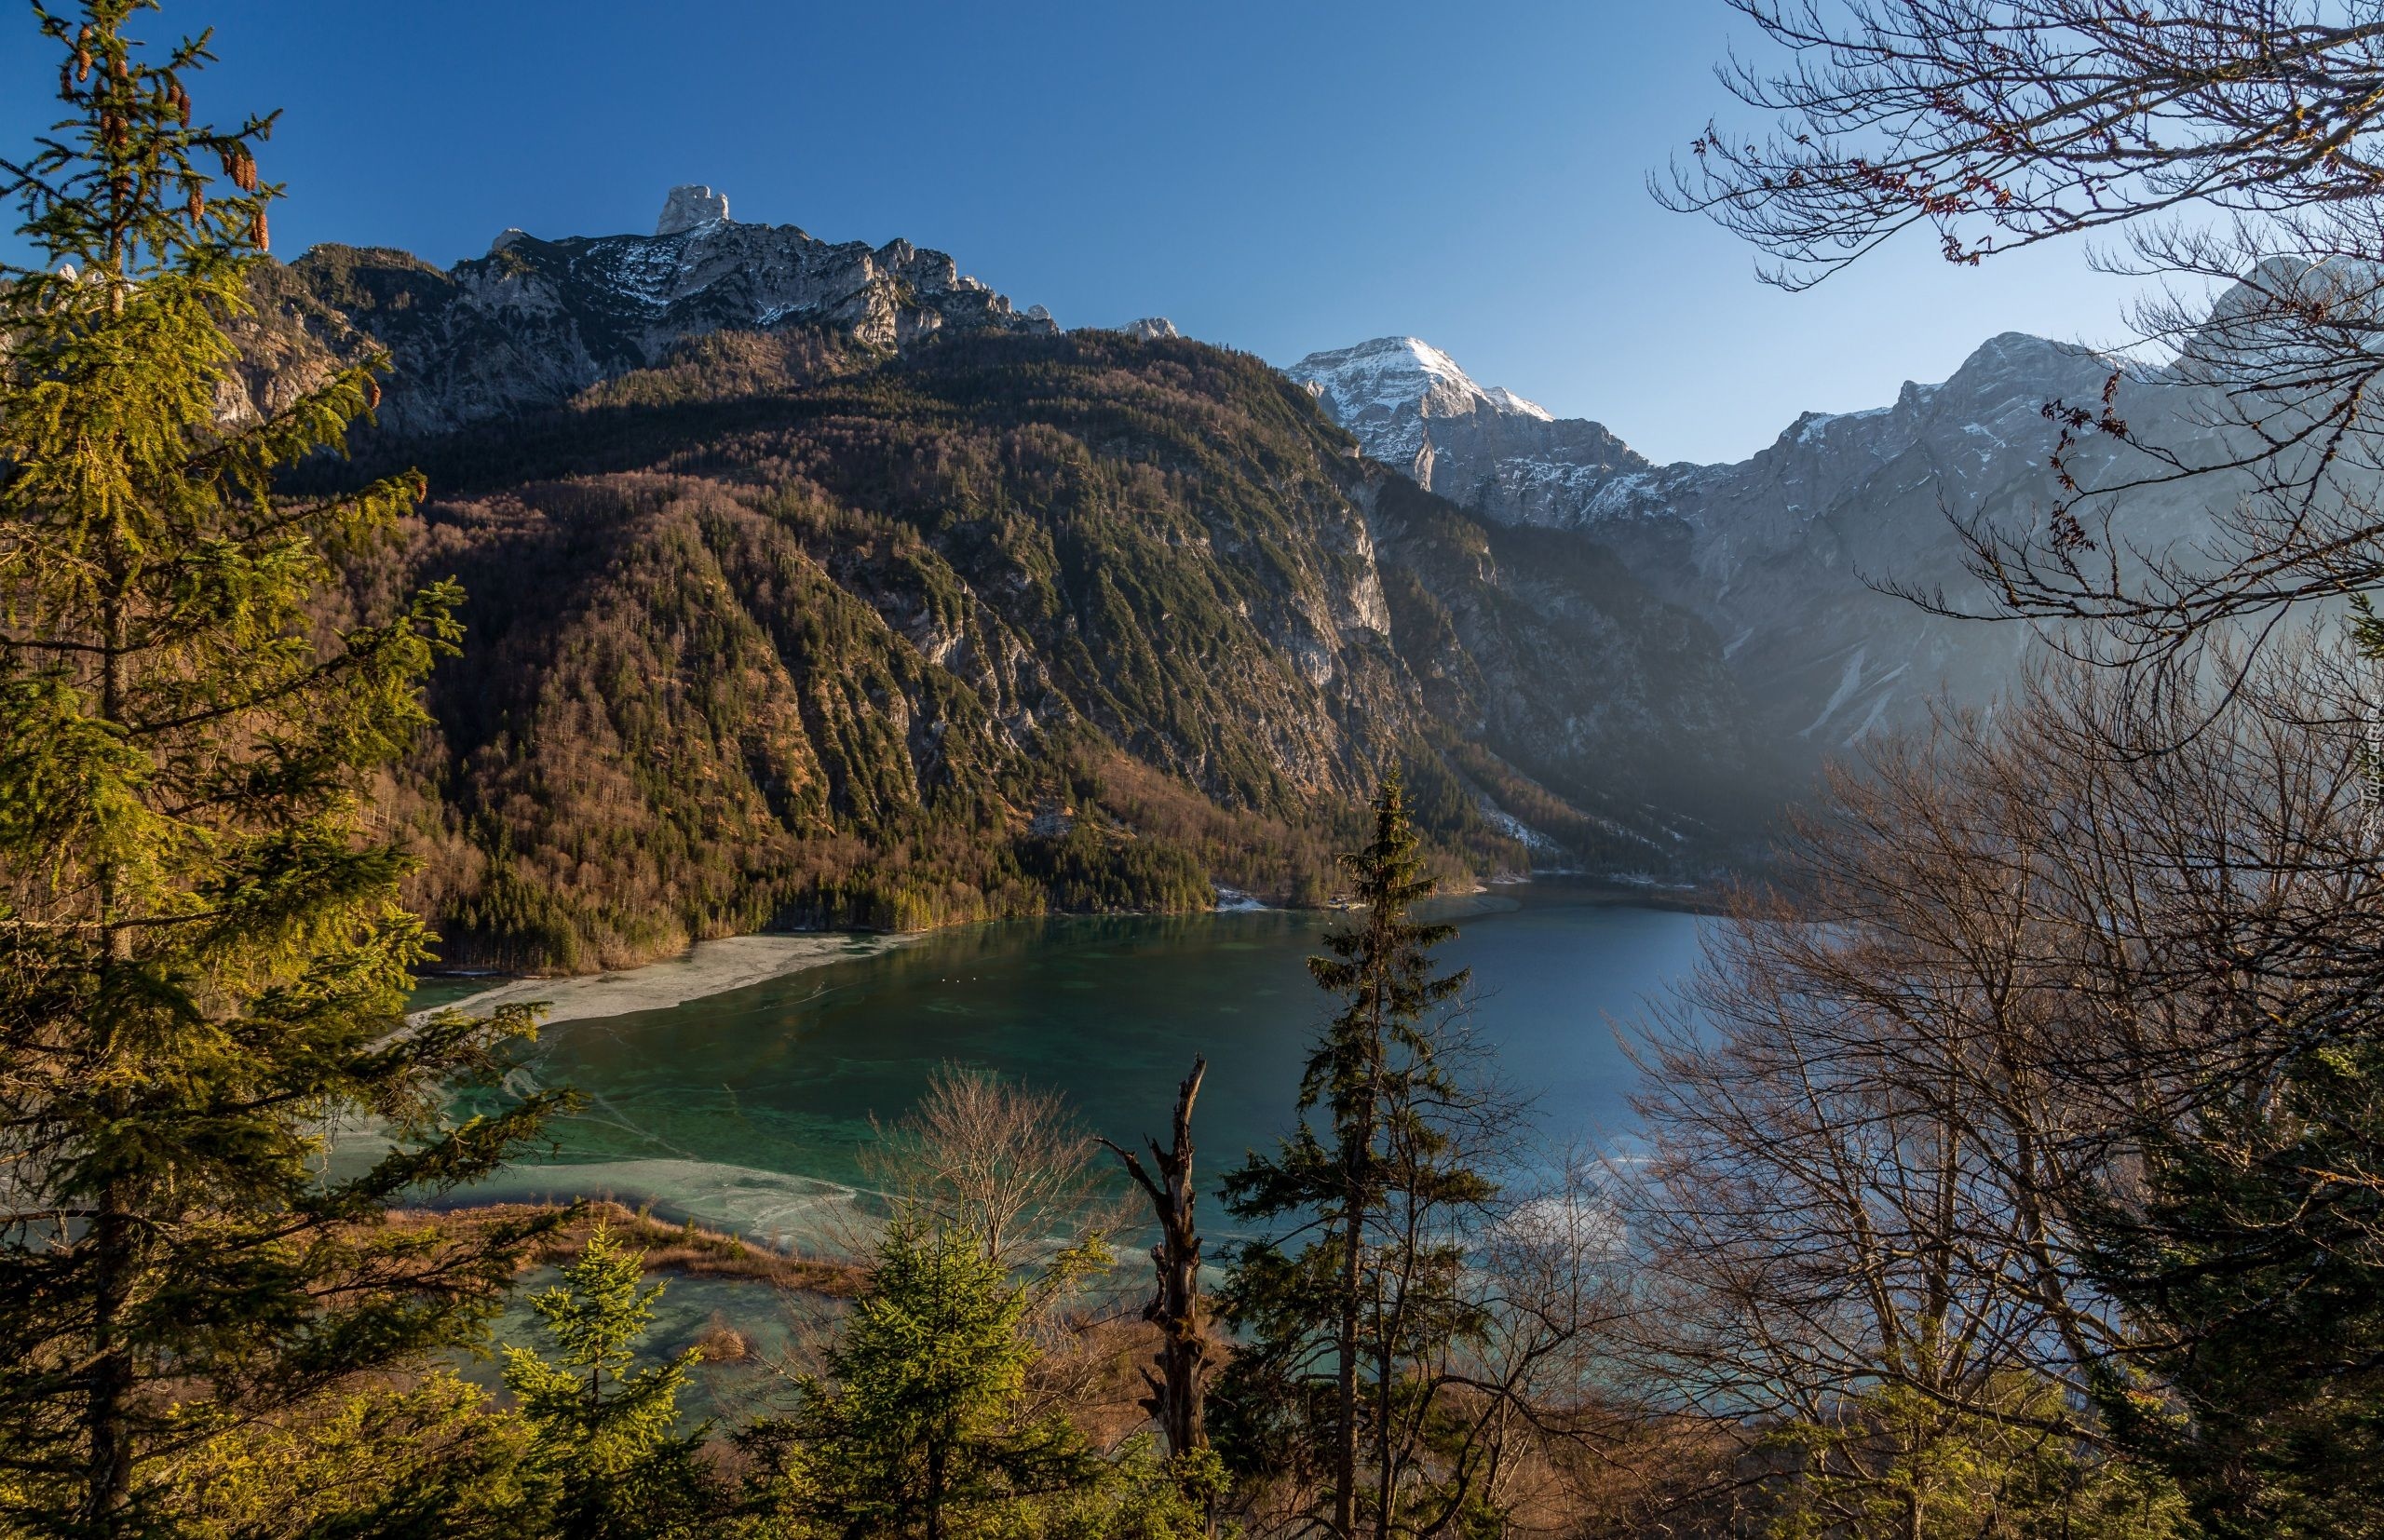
(1779, 552)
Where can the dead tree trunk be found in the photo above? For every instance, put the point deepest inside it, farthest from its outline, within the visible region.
(1175, 1391)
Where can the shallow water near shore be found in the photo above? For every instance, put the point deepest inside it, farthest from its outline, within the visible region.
(745, 1109)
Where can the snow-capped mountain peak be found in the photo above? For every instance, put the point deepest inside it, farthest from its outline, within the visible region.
(1394, 384)
(1412, 406)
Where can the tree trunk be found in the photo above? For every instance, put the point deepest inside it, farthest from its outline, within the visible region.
(1385, 1470)
(110, 1384)
(111, 1374)
(1178, 1389)
(1345, 1456)
(934, 1498)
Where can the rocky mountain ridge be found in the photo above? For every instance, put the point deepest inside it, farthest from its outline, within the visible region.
(534, 321)
(1783, 553)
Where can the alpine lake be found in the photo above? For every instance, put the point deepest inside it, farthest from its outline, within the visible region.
(743, 1110)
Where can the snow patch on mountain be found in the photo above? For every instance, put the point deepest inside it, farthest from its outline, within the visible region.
(1516, 829)
(1410, 406)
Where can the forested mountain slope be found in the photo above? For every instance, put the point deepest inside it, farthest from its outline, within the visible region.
(833, 622)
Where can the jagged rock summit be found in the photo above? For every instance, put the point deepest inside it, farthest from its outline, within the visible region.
(536, 322)
(1151, 329)
(689, 207)
(1403, 378)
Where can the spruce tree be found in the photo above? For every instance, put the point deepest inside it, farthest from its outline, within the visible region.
(203, 954)
(1341, 1312)
(921, 1429)
(607, 1444)
(2248, 1255)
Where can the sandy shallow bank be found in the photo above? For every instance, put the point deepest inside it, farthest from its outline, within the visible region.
(709, 967)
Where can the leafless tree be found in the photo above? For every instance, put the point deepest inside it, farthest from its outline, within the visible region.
(1994, 123)
(2224, 145)
(1999, 959)
(2029, 957)
(1526, 1399)
(1179, 1388)
(1010, 1166)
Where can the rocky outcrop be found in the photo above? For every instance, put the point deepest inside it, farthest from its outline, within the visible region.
(689, 207)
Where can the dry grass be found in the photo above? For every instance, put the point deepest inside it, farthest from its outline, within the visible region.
(720, 1343)
(689, 1250)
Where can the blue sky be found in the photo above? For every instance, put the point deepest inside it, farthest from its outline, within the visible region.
(1276, 177)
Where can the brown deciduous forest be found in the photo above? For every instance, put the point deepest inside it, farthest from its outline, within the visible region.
(789, 633)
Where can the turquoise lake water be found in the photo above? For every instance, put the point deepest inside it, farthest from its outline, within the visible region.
(745, 1109)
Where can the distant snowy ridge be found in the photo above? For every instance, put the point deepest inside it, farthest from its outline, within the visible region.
(1781, 552)
(1403, 377)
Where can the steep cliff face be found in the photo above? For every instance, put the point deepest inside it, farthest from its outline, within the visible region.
(1783, 554)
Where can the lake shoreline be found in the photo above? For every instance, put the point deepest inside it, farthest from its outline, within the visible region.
(703, 970)
(728, 963)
